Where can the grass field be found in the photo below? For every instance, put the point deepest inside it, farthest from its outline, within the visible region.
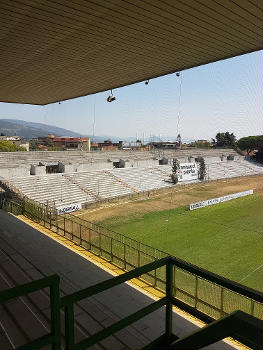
(224, 238)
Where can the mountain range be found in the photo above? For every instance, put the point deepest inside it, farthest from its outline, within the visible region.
(29, 130)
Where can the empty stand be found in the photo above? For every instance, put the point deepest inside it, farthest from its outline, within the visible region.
(27, 318)
(92, 186)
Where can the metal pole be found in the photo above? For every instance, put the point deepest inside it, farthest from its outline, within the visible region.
(111, 249)
(55, 315)
(222, 302)
(124, 255)
(69, 327)
(80, 234)
(169, 295)
(252, 307)
(196, 291)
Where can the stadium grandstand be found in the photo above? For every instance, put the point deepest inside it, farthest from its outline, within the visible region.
(15, 164)
(67, 283)
(88, 187)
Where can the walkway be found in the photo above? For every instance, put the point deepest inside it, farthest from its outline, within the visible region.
(36, 255)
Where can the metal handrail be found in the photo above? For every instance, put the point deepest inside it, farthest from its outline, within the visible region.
(236, 322)
(112, 282)
(219, 280)
(253, 297)
(54, 337)
(68, 301)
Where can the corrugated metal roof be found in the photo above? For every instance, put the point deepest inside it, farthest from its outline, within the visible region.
(52, 50)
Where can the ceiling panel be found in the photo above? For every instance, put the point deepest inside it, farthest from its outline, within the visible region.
(53, 50)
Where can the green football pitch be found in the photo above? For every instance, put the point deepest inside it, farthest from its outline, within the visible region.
(226, 238)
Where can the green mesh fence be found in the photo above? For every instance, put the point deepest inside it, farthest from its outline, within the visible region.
(202, 294)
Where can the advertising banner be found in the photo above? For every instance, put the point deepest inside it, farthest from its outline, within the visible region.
(213, 201)
(187, 172)
(68, 208)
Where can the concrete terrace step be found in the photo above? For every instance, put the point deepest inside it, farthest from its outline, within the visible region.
(43, 256)
(90, 317)
(91, 186)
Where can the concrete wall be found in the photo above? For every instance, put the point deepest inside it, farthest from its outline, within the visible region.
(14, 172)
(95, 166)
(37, 170)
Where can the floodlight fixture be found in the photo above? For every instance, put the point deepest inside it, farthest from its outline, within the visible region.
(111, 98)
(178, 74)
(147, 82)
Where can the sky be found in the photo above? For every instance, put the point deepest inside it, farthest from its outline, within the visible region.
(217, 97)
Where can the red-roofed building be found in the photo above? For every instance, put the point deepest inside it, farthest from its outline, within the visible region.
(78, 143)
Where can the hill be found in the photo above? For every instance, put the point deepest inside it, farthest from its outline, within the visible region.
(31, 130)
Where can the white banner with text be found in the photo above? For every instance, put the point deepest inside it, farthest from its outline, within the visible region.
(187, 172)
(68, 208)
(213, 201)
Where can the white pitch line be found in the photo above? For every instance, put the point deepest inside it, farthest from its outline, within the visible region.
(259, 267)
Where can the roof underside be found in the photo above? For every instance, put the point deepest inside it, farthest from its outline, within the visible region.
(53, 50)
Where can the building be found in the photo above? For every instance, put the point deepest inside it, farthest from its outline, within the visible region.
(16, 141)
(71, 143)
(136, 146)
(94, 146)
(165, 145)
(108, 145)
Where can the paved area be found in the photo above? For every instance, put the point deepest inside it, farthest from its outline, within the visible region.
(30, 248)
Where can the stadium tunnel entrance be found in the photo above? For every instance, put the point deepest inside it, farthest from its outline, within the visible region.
(52, 169)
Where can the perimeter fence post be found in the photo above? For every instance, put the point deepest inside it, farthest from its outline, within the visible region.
(252, 307)
(124, 255)
(169, 295)
(64, 225)
(100, 242)
(222, 302)
(50, 219)
(196, 291)
(155, 278)
(80, 234)
(89, 239)
(111, 253)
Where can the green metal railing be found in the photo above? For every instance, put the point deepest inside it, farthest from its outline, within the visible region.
(54, 337)
(238, 324)
(68, 302)
(203, 295)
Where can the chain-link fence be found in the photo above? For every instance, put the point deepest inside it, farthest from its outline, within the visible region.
(198, 289)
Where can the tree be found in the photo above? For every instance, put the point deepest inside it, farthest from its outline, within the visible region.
(202, 168)
(225, 139)
(6, 146)
(175, 168)
(33, 145)
(201, 144)
(252, 143)
(248, 144)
